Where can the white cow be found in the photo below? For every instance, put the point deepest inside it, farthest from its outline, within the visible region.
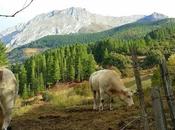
(8, 94)
(108, 82)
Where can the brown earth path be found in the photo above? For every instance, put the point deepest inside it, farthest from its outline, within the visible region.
(47, 117)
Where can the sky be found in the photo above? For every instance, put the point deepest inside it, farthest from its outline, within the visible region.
(103, 7)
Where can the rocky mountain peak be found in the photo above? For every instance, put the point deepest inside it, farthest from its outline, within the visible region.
(66, 21)
(153, 17)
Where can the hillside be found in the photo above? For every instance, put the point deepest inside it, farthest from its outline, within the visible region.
(75, 62)
(129, 31)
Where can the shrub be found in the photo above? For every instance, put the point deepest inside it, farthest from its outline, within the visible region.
(154, 57)
(171, 68)
(82, 90)
(46, 96)
(156, 78)
(77, 95)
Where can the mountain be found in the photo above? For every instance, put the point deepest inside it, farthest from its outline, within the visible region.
(126, 32)
(153, 17)
(61, 22)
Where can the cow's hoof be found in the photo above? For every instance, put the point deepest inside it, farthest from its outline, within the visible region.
(9, 128)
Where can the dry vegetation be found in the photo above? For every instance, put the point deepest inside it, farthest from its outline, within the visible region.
(69, 106)
(31, 51)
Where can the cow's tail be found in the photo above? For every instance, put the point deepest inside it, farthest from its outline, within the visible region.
(90, 82)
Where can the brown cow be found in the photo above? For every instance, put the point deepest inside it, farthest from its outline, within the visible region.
(108, 82)
(8, 94)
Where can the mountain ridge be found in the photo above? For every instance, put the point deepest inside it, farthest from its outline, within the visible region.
(126, 32)
(61, 22)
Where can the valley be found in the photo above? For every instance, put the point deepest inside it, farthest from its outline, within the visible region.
(53, 55)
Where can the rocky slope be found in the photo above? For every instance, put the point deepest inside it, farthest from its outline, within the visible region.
(60, 22)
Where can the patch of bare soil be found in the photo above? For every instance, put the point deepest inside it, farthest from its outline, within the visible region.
(47, 117)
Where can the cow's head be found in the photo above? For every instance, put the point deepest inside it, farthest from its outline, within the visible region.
(126, 96)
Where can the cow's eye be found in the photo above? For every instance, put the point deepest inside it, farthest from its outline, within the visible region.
(129, 96)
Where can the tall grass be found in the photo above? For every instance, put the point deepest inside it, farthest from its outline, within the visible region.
(78, 95)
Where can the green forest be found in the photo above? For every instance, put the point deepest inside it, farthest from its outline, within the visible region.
(65, 64)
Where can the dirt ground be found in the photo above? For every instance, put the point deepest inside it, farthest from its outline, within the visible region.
(47, 117)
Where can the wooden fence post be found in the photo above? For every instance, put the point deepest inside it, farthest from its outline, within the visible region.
(1, 118)
(160, 121)
(139, 87)
(168, 89)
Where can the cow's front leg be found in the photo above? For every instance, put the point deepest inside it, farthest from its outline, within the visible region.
(8, 105)
(110, 103)
(7, 120)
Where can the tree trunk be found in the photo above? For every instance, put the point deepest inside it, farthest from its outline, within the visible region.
(1, 118)
(159, 115)
(139, 87)
(168, 89)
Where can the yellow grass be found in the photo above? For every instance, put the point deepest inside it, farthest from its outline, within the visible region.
(31, 51)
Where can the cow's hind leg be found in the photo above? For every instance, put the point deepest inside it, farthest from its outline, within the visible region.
(101, 95)
(95, 100)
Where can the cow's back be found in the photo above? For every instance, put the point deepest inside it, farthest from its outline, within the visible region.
(7, 79)
(103, 78)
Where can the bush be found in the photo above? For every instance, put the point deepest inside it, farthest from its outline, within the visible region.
(156, 78)
(154, 57)
(82, 90)
(77, 95)
(120, 61)
(46, 96)
(128, 72)
(171, 68)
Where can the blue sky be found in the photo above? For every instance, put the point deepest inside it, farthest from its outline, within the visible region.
(103, 7)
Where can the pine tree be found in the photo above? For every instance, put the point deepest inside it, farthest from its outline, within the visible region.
(40, 86)
(56, 73)
(91, 65)
(25, 92)
(106, 53)
(3, 56)
(50, 69)
(72, 73)
(22, 78)
(33, 73)
(79, 70)
(43, 68)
